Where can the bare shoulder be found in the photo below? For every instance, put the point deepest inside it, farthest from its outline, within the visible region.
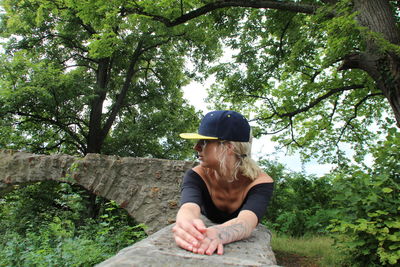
(199, 170)
(263, 178)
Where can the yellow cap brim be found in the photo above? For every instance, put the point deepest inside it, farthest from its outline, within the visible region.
(196, 136)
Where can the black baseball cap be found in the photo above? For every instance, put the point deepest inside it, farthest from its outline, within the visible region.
(222, 125)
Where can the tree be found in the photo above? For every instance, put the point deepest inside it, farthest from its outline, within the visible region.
(89, 77)
(82, 77)
(316, 73)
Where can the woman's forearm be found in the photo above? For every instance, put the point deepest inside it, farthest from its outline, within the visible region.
(233, 232)
(188, 211)
(238, 228)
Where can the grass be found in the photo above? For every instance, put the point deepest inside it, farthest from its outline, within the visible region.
(308, 251)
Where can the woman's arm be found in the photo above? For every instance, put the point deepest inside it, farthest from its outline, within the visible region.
(236, 229)
(189, 228)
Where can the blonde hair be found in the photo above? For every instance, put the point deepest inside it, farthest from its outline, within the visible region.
(244, 164)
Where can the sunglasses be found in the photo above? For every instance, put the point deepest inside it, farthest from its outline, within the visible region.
(203, 142)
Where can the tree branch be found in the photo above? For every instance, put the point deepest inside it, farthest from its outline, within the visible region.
(152, 71)
(80, 145)
(333, 110)
(281, 52)
(127, 83)
(363, 61)
(270, 102)
(290, 115)
(355, 114)
(320, 99)
(218, 4)
(162, 42)
(42, 150)
(278, 131)
(292, 133)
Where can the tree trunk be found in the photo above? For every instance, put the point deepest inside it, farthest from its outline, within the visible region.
(95, 137)
(97, 129)
(381, 63)
(92, 207)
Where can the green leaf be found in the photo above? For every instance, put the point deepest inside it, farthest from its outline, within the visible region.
(387, 190)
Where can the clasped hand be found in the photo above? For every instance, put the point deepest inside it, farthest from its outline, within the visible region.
(194, 236)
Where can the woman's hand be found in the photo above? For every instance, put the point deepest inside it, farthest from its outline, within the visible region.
(218, 235)
(188, 234)
(210, 243)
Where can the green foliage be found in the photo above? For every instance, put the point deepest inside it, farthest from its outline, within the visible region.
(286, 73)
(359, 206)
(153, 133)
(368, 221)
(45, 224)
(96, 76)
(301, 204)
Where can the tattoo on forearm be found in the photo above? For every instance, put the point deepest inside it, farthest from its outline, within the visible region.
(233, 232)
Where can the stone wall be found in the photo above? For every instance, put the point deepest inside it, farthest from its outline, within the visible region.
(148, 189)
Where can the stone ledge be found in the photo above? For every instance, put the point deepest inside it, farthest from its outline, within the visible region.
(160, 249)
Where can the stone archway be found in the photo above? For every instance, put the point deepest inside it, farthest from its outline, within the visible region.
(148, 189)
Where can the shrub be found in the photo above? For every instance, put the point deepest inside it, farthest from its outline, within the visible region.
(41, 225)
(301, 203)
(368, 225)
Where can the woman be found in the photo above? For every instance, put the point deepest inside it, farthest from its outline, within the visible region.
(227, 186)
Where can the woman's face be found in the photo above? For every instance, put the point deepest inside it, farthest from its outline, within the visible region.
(208, 151)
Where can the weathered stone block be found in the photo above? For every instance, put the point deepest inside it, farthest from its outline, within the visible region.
(160, 249)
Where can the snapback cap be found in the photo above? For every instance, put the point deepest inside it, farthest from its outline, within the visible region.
(223, 125)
